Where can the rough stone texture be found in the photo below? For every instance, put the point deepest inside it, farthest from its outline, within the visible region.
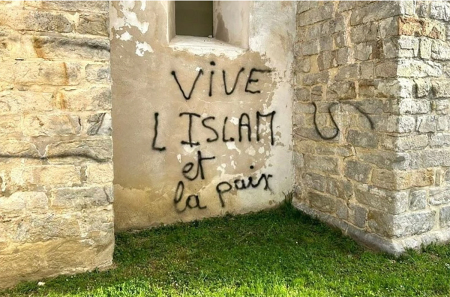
(56, 196)
(388, 94)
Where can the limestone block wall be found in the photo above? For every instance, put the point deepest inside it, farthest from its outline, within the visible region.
(370, 119)
(423, 136)
(56, 173)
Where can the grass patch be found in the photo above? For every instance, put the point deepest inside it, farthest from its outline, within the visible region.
(271, 253)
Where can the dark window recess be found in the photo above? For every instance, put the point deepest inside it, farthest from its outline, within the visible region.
(194, 18)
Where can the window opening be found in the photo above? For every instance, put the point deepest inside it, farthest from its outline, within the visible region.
(194, 18)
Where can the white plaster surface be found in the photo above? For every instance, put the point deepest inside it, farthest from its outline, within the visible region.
(146, 179)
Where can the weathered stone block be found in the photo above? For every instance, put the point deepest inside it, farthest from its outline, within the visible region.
(315, 15)
(347, 5)
(340, 39)
(440, 140)
(425, 48)
(442, 123)
(94, 24)
(418, 68)
(47, 73)
(315, 181)
(346, 73)
(339, 188)
(374, 11)
(94, 98)
(398, 180)
(310, 47)
(341, 209)
(10, 125)
(440, 10)
(418, 200)
(49, 175)
(364, 32)
(323, 164)
(440, 195)
(409, 106)
(401, 225)
(421, 27)
(325, 43)
(51, 125)
(38, 21)
(359, 215)
(363, 51)
(98, 73)
(441, 88)
(342, 90)
(393, 202)
(401, 124)
(410, 142)
(444, 217)
(302, 94)
(430, 158)
(388, 27)
(315, 78)
(15, 102)
(99, 173)
(304, 65)
(326, 60)
(99, 124)
(440, 50)
(6, 72)
(17, 148)
(322, 202)
(426, 124)
(61, 47)
(332, 149)
(99, 226)
(386, 69)
(384, 159)
(423, 87)
(91, 6)
(362, 139)
(99, 150)
(76, 199)
(357, 171)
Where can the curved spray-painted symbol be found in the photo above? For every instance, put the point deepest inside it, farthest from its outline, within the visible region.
(336, 133)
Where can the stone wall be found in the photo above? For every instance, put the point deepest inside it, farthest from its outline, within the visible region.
(55, 128)
(370, 119)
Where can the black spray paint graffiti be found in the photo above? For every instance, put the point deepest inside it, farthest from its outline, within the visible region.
(225, 187)
(156, 135)
(218, 130)
(244, 128)
(179, 192)
(337, 130)
(250, 80)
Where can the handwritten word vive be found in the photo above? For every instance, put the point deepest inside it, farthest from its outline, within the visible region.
(249, 87)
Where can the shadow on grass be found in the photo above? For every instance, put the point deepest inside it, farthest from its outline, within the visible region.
(280, 252)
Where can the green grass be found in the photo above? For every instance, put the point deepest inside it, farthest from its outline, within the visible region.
(272, 253)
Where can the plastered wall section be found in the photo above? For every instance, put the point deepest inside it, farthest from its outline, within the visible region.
(56, 172)
(370, 121)
(201, 127)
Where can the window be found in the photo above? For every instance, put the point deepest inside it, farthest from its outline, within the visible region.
(194, 18)
(205, 27)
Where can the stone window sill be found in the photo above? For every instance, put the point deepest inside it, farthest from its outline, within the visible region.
(205, 46)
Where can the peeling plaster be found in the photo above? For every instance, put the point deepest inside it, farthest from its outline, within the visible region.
(143, 47)
(129, 18)
(126, 36)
